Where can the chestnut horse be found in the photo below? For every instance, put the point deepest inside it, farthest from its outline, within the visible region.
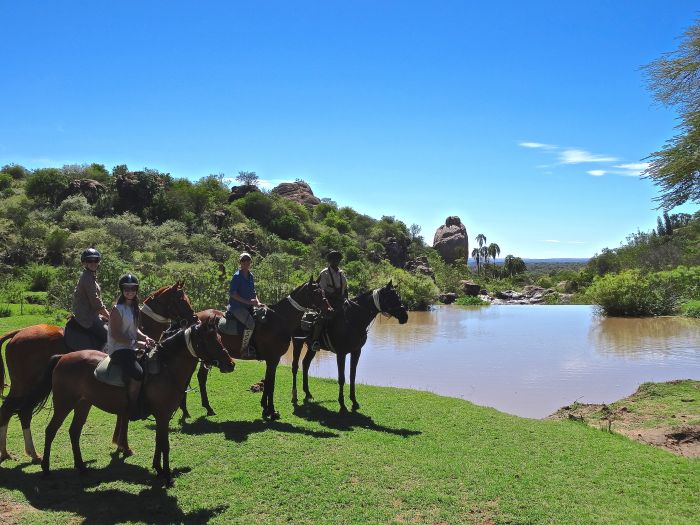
(30, 348)
(71, 379)
(347, 333)
(271, 339)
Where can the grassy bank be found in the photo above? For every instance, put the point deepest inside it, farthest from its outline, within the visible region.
(408, 457)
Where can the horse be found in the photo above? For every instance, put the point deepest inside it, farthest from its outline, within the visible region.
(71, 379)
(347, 334)
(29, 350)
(270, 339)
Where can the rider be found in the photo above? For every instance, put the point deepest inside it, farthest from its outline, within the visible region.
(87, 304)
(333, 282)
(124, 339)
(242, 299)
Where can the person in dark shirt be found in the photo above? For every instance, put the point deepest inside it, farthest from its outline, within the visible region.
(242, 299)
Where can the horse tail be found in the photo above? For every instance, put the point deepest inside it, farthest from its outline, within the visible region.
(36, 399)
(4, 338)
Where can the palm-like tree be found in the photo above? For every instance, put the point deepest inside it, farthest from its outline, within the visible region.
(476, 255)
(481, 239)
(484, 252)
(494, 251)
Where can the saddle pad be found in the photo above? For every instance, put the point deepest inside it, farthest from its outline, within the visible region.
(109, 373)
(229, 326)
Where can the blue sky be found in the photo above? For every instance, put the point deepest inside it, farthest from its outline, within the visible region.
(527, 119)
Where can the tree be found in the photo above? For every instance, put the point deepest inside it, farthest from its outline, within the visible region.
(514, 265)
(494, 250)
(476, 255)
(47, 185)
(247, 178)
(481, 239)
(674, 79)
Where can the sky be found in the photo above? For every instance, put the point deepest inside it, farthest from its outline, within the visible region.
(528, 120)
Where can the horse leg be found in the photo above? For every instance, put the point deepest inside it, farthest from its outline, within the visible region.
(340, 358)
(297, 345)
(123, 436)
(354, 358)
(5, 416)
(61, 409)
(183, 407)
(163, 443)
(306, 363)
(202, 375)
(80, 414)
(268, 402)
(25, 417)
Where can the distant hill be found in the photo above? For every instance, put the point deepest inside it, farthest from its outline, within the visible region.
(562, 260)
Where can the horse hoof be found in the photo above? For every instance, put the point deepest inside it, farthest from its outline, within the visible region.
(36, 460)
(126, 452)
(355, 407)
(82, 470)
(275, 416)
(4, 456)
(210, 412)
(185, 415)
(308, 398)
(343, 410)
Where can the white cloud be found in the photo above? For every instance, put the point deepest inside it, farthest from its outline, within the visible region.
(551, 240)
(536, 145)
(263, 184)
(597, 173)
(579, 156)
(632, 170)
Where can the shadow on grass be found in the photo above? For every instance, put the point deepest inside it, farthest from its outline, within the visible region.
(315, 411)
(239, 431)
(67, 491)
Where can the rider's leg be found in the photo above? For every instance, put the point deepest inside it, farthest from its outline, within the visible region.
(243, 315)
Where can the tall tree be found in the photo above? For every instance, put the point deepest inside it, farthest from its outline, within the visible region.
(248, 178)
(476, 255)
(674, 79)
(494, 251)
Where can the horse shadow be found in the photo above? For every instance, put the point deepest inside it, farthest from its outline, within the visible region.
(348, 421)
(67, 491)
(239, 431)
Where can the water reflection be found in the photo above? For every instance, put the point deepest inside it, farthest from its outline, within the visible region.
(526, 360)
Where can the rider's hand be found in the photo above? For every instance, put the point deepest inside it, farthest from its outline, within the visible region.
(255, 302)
(141, 345)
(150, 342)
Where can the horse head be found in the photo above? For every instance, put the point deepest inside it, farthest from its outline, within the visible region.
(390, 302)
(208, 347)
(311, 295)
(174, 301)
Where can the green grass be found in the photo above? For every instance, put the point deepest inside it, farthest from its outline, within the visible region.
(33, 314)
(468, 300)
(407, 457)
(691, 308)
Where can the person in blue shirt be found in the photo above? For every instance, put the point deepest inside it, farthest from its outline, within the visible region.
(242, 299)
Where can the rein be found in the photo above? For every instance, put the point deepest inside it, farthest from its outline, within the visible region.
(297, 306)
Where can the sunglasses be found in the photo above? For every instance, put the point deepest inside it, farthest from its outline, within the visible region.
(127, 289)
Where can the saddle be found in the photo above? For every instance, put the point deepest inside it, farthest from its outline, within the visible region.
(75, 337)
(229, 325)
(111, 373)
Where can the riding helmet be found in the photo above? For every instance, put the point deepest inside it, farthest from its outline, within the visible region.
(91, 254)
(334, 255)
(128, 279)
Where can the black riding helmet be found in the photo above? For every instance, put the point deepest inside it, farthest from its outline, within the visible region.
(128, 279)
(334, 255)
(91, 254)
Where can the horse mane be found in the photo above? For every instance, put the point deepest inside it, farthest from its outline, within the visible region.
(163, 348)
(157, 292)
(279, 303)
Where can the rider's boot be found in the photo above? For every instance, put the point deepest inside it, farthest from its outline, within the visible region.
(246, 350)
(316, 335)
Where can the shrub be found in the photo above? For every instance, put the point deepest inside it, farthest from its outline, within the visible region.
(5, 181)
(5, 311)
(40, 277)
(468, 300)
(47, 185)
(15, 171)
(691, 308)
(631, 293)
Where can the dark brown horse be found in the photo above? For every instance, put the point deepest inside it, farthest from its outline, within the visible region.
(71, 379)
(270, 339)
(29, 350)
(347, 334)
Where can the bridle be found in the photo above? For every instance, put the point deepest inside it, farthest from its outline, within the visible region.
(193, 348)
(301, 308)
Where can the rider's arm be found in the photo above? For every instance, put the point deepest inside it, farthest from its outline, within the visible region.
(93, 296)
(115, 328)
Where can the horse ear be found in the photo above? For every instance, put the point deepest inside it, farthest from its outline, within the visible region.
(311, 279)
(390, 284)
(180, 284)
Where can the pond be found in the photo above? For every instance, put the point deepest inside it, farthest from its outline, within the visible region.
(524, 360)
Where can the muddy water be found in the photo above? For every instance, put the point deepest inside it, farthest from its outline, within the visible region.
(525, 360)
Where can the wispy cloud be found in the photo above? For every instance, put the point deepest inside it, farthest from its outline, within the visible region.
(597, 173)
(536, 145)
(579, 156)
(631, 170)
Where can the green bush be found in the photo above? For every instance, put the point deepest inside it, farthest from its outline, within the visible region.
(15, 171)
(47, 185)
(468, 300)
(5, 311)
(40, 277)
(632, 293)
(691, 308)
(5, 181)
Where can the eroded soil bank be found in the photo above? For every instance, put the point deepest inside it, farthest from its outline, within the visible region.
(666, 415)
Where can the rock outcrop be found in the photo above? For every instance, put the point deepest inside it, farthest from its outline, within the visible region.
(298, 191)
(395, 252)
(420, 265)
(88, 188)
(447, 298)
(451, 240)
(470, 288)
(238, 192)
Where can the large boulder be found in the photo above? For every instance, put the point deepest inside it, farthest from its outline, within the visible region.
(298, 191)
(238, 192)
(420, 265)
(395, 252)
(88, 188)
(447, 298)
(470, 288)
(451, 240)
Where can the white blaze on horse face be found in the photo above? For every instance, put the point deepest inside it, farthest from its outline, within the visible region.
(29, 442)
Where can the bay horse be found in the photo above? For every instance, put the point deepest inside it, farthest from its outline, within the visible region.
(271, 339)
(347, 334)
(29, 349)
(71, 379)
